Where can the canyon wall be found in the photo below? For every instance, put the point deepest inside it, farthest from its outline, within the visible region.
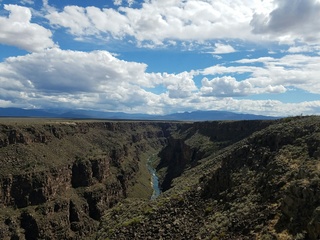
(231, 180)
(58, 178)
(220, 180)
(193, 142)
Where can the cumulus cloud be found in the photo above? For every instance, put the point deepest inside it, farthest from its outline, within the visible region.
(179, 85)
(229, 87)
(17, 30)
(117, 2)
(159, 21)
(189, 22)
(275, 74)
(73, 18)
(225, 87)
(56, 70)
(304, 49)
(290, 20)
(97, 79)
(223, 48)
(264, 107)
(120, 2)
(268, 107)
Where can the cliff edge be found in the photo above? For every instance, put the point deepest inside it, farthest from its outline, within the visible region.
(219, 180)
(240, 180)
(57, 178)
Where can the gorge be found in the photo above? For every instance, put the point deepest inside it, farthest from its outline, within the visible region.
(89, 179)
(154, 179)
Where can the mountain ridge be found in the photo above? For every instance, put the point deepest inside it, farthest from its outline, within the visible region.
(92, 114)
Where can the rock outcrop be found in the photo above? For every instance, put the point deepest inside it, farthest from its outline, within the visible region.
(58, 178)
(261, 184)
(220, 180)
(192, 142)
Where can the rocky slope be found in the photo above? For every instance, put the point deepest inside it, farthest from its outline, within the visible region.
(58, 178)
(260, 185)
(220, 180)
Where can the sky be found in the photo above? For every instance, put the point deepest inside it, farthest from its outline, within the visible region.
(161, 56)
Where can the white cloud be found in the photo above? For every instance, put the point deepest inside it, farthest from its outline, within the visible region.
(229, 87)
(179, 85)
(120, 2)
(130, 2)
(220, 69)
(263, 107)
(56, 70)
(223, 48)
(157, 22)
(17, 30)
(303, 49)
(121, 94)
(55, 78)
(225, 87)
(97, 79)
(192, 22)
(294, 70)
(29, 2)
(117, 2)
(73, 18)
(291, 20)
(107, 21)
(161, 21)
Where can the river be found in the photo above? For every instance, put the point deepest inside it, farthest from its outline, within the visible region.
(154, 181)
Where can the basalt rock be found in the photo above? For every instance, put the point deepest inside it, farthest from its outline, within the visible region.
(220, 180)
(58, 178)
(185, 147)
(231, 180)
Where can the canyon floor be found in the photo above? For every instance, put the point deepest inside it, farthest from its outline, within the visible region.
(81, 179)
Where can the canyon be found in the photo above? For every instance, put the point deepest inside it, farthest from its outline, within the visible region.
(89, 179)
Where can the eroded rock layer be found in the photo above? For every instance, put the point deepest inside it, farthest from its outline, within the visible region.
(237, 182)
(220, 180)
(58, 178)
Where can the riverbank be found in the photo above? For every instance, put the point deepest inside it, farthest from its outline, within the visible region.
(142, 187)
(154, 178)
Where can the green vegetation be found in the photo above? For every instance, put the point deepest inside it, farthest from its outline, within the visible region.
(223, 180)
(142, 188)
(259, 187)
(92, 165)
(132, 221)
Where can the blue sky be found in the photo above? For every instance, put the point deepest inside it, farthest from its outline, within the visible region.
(161, 56)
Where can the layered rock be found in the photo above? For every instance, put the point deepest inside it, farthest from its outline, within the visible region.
(58, 178)
(193, 142)
(221, 180)
(259, 184)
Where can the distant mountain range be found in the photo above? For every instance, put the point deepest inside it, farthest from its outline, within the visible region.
(90, 114)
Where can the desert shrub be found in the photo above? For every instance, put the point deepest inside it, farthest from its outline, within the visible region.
(132, 221)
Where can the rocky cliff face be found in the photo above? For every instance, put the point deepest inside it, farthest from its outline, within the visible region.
(58, 178)
(262, 184)
(221, 180)
(193, 142)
